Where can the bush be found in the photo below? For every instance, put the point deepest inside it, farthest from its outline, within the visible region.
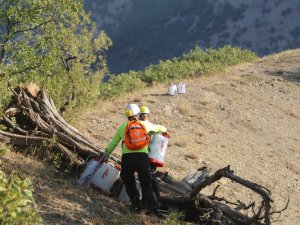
(196, 62)
(59, 48)
(121, 84)
(175, 219)
(17, 204)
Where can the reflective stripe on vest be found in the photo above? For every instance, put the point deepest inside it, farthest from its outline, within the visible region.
(139, 139)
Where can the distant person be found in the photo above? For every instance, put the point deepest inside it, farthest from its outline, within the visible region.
(151, 129)
(134, 159)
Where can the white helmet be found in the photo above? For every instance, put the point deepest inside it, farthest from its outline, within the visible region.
(145, 110)
(131, 110)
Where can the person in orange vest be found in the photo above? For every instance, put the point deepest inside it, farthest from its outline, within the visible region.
(151, 128)
(135, 158)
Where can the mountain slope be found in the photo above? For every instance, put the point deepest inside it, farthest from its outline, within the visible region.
(144, 32)
(248, 117)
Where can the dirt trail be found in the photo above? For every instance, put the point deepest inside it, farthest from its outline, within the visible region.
(248, 117)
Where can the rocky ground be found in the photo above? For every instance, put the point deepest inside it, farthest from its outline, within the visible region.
(247, 117)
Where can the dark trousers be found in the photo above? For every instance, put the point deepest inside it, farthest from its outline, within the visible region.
(138, 162)
(154, 181)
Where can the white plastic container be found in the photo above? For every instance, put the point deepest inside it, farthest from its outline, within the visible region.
(172, 90)
(123, 196)
(181, 88)
(90, 167)
(157, 149)
(105, 176)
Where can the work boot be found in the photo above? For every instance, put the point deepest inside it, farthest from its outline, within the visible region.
(151, 203)
(136, 205)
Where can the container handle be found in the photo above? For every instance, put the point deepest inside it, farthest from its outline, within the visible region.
(111, 164)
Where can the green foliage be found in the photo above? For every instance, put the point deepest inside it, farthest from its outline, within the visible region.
(175, 219)
(51, 143)
(2, 151)
(125, 218)
(55, 44)
(196, 62)
(17, 202)
(121, 84)
(56, 159)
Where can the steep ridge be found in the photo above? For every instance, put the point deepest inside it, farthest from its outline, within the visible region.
(248, 117)
(144, 32)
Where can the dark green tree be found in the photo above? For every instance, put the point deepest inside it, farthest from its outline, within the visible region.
(53, 43)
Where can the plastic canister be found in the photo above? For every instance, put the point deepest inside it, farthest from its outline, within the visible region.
(90, 167)
(123, 196)
(105, 176)
(157, 149)
(172, 90)
(181, 88)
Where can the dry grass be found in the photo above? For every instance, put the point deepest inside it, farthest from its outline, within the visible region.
(185, 108)
(295, 149)
(170, 143)
(137, 100)
(175, 167)
(61, 201)
(182, 143)
(199, 131)
(191, 156)
(252, 78)
(150, 100)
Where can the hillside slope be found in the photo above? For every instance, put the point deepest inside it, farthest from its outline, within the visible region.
(144, 32)
(248, 117)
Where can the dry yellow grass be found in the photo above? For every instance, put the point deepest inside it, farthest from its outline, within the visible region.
(181, 143)
(191, 156)
(199, 131)
(185, 108)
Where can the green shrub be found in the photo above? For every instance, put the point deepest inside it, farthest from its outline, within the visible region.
(17, 204)
(59, 48)
(2, 151)
(121, 84)
(196, 62)
(175, 219)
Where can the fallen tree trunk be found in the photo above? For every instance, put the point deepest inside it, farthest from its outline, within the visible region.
(36, 122)
(220, 212)
(33, 120)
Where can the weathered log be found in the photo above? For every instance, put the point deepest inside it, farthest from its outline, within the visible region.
(196, 177)
(21, 140)
(220, 211)
(37, 120)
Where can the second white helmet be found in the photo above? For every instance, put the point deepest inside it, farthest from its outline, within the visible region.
(131, 110)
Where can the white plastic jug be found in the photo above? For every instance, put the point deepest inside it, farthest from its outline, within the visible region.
(88, 170)
(105, 176)
(181, 88)
(123, 196)
(157, 149)
(172, 90)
